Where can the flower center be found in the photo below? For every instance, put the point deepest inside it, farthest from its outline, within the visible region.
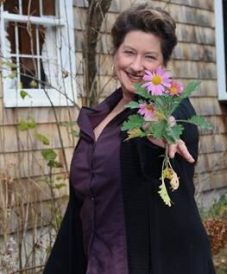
(173, 90)
(156, 80)
(150, 108)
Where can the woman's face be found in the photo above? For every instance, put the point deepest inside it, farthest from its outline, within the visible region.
(139, 51)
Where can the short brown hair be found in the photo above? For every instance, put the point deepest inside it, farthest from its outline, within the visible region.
(148, 19)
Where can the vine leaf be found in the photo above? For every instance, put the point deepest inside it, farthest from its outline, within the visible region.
(42, 138)
(26, 124)
(24, 94)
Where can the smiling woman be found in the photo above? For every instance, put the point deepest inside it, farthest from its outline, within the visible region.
(115, 222)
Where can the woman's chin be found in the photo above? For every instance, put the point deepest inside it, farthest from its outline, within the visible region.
(129, 91)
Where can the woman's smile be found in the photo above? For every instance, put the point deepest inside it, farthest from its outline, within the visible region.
(134, 78)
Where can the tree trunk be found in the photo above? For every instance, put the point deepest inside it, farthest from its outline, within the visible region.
(96, 12)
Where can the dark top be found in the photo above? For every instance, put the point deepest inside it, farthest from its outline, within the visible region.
(159, 239)
(96, 179)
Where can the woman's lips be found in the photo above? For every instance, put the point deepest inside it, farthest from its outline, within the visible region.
(134, 78)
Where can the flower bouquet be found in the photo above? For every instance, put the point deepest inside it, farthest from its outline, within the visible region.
(159, 96)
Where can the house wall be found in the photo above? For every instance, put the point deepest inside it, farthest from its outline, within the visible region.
(193, 58)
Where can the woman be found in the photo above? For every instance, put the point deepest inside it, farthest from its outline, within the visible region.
(116, 222)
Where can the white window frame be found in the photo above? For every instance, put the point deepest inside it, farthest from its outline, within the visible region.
(65, 93)
(220, 51)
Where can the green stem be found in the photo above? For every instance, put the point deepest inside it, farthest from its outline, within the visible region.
(186, 121)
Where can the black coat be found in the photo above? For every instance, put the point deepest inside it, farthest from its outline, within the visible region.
(160, 239)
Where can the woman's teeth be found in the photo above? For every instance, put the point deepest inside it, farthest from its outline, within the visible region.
(134, 77)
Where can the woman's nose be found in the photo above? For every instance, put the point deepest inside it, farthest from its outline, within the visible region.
(137, 63)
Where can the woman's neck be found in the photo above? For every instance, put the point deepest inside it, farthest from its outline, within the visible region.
(127, 97)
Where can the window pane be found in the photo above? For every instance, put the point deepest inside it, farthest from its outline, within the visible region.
(30, 74)
(49, 56)
(31, 7)
(48, 7)
(30, 47)
(28, 43)
(12, 6)
(11, 37)
(27, 38)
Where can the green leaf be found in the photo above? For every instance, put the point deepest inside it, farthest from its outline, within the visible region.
(160, 101)
(162, 130)
(59, 186)
(173, 133)
(42, 138)
(49, 154)
(23, 94)
(143, 92)
(200, 121)
(26, 124)
(134, 121)
(132, 105)
(54, 164)
(191, 87)
(164, 104)
(75, 133)
(157, 129)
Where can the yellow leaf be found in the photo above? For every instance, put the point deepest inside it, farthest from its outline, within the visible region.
(33, 84)
(174, 182)
(159, 115)
(167, 173)
(164, 194)
(133, 133)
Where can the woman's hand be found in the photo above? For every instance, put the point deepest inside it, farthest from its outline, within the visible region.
(179, 147)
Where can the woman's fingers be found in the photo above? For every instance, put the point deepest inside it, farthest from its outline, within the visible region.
(180, 148)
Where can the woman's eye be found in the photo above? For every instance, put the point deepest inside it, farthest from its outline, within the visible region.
(129, 52)
(150, 57)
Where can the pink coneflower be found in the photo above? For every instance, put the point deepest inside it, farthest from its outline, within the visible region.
(148, 111)
(175, 89)
(156, 81)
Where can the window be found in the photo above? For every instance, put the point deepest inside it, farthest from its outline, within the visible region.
(221, 47)
(37, 52)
